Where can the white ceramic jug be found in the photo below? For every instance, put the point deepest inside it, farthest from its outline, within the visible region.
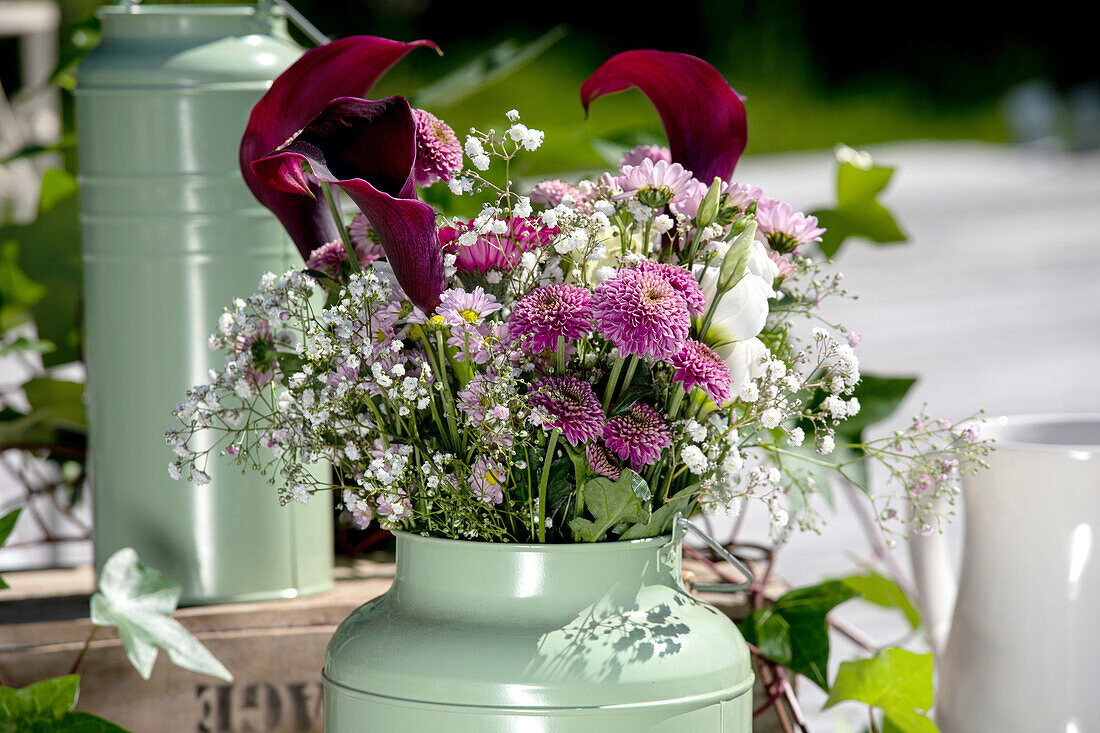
(1022, 652)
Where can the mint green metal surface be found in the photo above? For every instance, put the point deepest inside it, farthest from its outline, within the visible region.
(171, 236)
(501, 638)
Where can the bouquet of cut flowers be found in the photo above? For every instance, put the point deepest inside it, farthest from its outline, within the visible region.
(581, 361)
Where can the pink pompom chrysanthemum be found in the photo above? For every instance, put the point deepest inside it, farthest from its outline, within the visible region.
(438, 152)
(603, 462)
(682, 281)
(553, 192)
(572, 406)
(698, 366)
(495, 251)
(637, 437)
(637, 154)
(641, 314)
(783, 228)
(550, 312)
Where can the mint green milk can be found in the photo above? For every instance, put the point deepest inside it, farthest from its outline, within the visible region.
(496, 638)
(171, 236)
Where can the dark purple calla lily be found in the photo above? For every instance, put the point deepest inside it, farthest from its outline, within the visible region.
(368, 149)
(346, 67)
(703, 116)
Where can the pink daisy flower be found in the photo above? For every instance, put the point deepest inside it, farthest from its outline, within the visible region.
(637, 437)
(487, 480)
(573, 407)
(603, 462)
(550, 312)
(360, 233)
(783, 228)
(461, 308)
(438, 152)
(496, 251)
(782, 263)
(698, 366)
(682, 281)
(637, 154)
(656, 184)
(641, 314)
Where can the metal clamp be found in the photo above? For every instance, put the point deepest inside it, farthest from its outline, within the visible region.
(723, 553)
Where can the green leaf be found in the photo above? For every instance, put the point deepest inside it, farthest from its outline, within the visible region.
(896, 680)
(610, 503)
(24, 345)
(49, 254)
(36, 706)
(87, 723)
(7, 524)
(883, 591)
(736, 261)
(17, 291)
(62, 403)
(140, 602)
(660, 522)
(485, 69)
(858, 212)
(794, 632)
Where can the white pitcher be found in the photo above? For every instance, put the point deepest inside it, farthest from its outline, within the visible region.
(1022, 652)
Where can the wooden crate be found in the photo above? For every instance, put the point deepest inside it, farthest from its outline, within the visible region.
(275, 650)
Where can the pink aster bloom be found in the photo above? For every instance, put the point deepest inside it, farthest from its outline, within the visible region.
(656, 184)
(637, 154)
(603, 462)
(641, 314)
(682, 281)
(460, 308)
(487, 480)
(552, 192)
(698, 366)
(572, 405)
(259, 343)
(547, 313)
(783, 228)
(496, 251)
(638, 436)
(781, 262)
(366, 249)
(438, 152)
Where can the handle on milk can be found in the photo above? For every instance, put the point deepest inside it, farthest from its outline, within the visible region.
(724, 587)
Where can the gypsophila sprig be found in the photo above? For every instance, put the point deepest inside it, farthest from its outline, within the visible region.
(645, 322)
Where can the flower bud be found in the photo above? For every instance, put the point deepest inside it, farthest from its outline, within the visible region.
(708, 207)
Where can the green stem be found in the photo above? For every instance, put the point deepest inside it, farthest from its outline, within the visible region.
(580, 475)
(611, 380)
(542, 482)
(629, 374)
(349, 250)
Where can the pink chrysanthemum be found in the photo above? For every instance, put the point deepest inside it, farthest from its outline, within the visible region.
(698, 366)
(487, 480)
(642, 314)
(572, 405)
(682, 281)
(328, 257)
(550, 312)
(261, 347)
(438, 152)
(496, 251)
(461, 308)
(783, 228)
(603, 462)
(656, 184)
(636, 155)
(552, 192)
(782, 264)
(637, 437)
(366, 249)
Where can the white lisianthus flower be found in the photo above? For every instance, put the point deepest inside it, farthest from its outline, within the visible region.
(743, 310)
(746, 360)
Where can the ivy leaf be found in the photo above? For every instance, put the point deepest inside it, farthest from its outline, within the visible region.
(140, 602)
(883, 591)
(610, 503)
(45, 706)
(7, 524)
(794, 632)
(858, 212)
(39, 706)
(896, 680)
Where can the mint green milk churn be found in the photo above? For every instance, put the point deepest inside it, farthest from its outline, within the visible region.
(171, 236)
(479, 637)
